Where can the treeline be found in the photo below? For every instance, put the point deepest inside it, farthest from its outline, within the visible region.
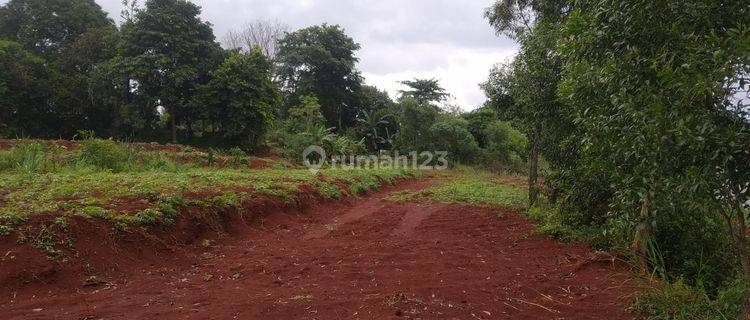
(162, 76)
(640, 108)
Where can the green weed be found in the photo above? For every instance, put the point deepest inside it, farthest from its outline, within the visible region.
(101, 174)
(680, 301)
(25, 158)
(104, 155)
(228, 199)
(9, 220)
(470, 189)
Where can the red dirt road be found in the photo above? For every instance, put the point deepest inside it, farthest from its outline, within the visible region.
(365, 258)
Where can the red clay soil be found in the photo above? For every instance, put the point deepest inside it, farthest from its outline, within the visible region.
(366, 258)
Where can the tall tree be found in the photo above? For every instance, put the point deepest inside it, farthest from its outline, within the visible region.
(169, 50)
(415, 120)
(534, 75)
(25, 90)
(651, 83)
(240, 101)
(321, 60)
(48, 27)
(74, 37)
(424, 90)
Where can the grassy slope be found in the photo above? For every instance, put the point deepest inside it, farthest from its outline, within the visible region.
(58, 182)
(472, 187)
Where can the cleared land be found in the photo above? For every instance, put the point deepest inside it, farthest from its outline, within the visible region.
(450, 246)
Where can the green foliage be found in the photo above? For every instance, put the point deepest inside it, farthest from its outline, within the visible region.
(104, 155)
(479, 120)
(239, 103)
(168, 49)
(50, 27)
(320, 60)
(681, 301)
(163, 212)
(238, 156)
(424, 91)
(415, 120)
(634, 106)
(294, 143)
(24, 92)
(646, 133)
(9, 220)
(371, 127)
(305, 116)
(476, 188)
(377, 121)
(229, 199)
(452, 135)
(97, 191)
(73, 37)
(159, 161)
(26, 158)
(505, 144)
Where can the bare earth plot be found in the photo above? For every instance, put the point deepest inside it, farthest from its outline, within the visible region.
(364, 258)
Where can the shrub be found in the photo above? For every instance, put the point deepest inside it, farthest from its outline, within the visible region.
(26, 157)
(160, 162)
(505, 144)
(306, 115)
(238, 156)
(345, 145)
(104, 155)
(678, 300)
(9, 220)
(452, 135)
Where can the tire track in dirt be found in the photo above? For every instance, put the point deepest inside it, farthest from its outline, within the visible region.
(414, 216)
(380, 260)
(366, 208)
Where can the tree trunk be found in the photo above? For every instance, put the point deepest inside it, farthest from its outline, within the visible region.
(642, 234)
(340, 128)
(173, 124)
(533, 172)
(744, 256)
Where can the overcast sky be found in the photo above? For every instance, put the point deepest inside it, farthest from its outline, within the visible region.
(401, 39)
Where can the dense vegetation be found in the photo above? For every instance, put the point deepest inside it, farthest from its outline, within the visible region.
(638, 108)
(162, 76)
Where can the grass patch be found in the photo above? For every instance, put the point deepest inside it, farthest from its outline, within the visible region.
(475, 188)
(102, 175)
(551, 221)
(680, 301)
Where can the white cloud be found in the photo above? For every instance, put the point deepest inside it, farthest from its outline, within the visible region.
(460, 75)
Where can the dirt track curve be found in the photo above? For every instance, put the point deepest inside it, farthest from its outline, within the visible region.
(365, 258)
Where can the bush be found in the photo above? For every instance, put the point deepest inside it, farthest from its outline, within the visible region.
(345, 145)
(292, 143)
(505, 144)
(104, 155)
(238, 156)
(305, 115)
(452, 135)
(26, 157)
(160, 162)
(678, 300)
(479, 120)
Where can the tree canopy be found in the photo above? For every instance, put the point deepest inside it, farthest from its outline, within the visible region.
(167, 51)
(320, 60)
